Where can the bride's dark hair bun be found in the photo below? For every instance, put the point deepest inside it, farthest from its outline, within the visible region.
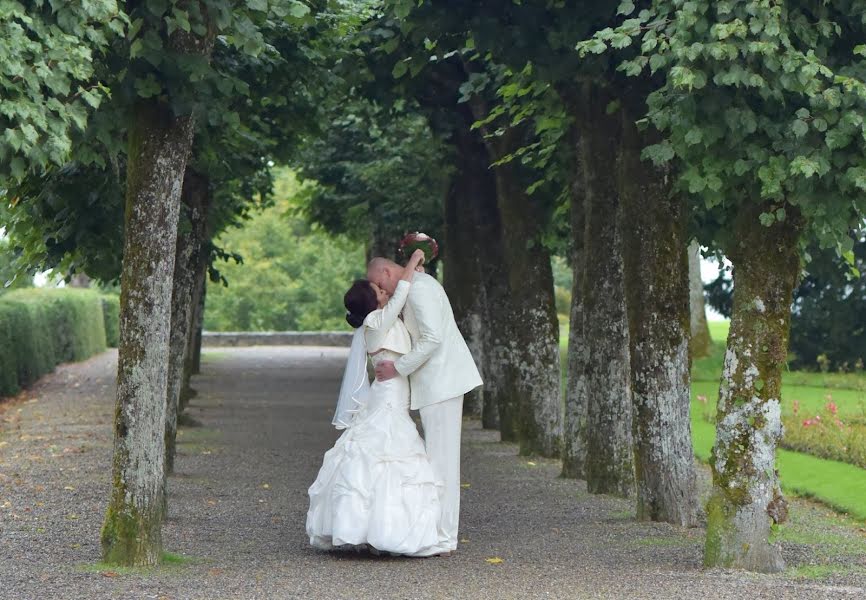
(354, 320)
(360, 301)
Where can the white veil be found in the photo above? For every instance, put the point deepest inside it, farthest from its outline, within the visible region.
(356, 383)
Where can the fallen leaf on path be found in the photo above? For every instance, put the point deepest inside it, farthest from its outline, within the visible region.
(494, 560)
(110, 574)
(464, 485)
(266, 486)
(530, 463)
(464, 541)
(68, 487)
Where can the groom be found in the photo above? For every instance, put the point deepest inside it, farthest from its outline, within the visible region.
(440, 370)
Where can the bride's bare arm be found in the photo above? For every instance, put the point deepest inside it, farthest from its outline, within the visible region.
(391, 311)
(414, 262)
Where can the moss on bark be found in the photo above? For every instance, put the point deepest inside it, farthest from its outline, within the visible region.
(748, 423)
(158, 147)
(190, 238)
(657, 292)
(531, 400)
(609, 459)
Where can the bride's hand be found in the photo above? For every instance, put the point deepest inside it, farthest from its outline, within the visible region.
(417, 257)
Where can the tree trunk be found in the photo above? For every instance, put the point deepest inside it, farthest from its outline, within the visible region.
(199, 326)
(465, 258)
(190, 238)
(534, 336)
(574, 416)
(609, 467)
(500, 376)
(80, 280)
(192, 361)
(158, 147)
(700, 330)
(746, 495)
(657, 287)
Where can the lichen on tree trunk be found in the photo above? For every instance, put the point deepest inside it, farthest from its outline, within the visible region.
(657, 295)
(700, 330)
(158, 147)
(190, 238)
(192, 360)
(530, 397)
(746, 494)
(609, 467)
(534, 345)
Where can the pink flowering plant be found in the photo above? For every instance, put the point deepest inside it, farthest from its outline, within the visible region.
(825, 434)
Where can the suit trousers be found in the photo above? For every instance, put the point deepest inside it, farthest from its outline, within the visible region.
(443, 423)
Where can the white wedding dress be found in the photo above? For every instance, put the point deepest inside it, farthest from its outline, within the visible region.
(376, 487)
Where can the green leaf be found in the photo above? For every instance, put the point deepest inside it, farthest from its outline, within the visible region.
(400, 69)
(299, 10)
(659, 154)
(800, 128)
(625, 8)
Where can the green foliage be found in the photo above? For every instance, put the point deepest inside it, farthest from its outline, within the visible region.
(293, 276)
(252, 99)
(759, 102)
(828, 322)
(378, 173)
(828, 319)
(41, 328)
(111, 316)
(9, 277)
(48, 77)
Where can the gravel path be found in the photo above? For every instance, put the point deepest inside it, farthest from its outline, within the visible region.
(238, 504)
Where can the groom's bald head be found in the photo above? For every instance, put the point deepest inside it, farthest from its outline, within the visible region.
(384, 273)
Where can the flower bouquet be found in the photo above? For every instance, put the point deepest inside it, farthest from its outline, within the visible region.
(414, 241)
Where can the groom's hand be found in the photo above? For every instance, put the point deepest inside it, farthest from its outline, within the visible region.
(385, 370)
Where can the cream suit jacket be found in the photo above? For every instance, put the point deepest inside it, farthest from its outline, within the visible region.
(440, 365)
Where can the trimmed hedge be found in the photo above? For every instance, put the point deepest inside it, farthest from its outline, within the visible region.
(41, 328)
(111, 315)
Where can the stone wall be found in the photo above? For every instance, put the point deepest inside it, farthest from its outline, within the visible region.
(276, 338)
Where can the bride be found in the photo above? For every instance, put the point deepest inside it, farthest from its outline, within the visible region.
(376, 487)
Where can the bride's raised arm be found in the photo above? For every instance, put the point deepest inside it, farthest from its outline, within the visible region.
(391, 311)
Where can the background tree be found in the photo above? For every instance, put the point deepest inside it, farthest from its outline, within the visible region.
(700, 330)
(770, 148)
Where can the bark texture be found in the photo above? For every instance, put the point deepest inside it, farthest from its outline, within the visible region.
(700, 329)
(192, 361)
(190, 238)
(532, 398)
(158, 147)
(465, 258)
(609, 467)
(657, 295)
(746, 496)
(574, 415)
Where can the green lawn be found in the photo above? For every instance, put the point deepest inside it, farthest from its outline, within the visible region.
(838, 485)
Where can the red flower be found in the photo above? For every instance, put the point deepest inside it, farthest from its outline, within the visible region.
(416, 240)
(831, 406)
